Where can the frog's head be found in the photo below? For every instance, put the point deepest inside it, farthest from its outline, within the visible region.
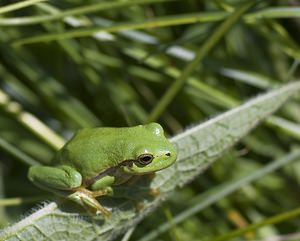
(152, 151)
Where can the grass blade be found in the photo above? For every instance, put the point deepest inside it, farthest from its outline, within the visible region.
(154, 23)
(19, 5)
(75, 11)
(15, 152)
(30, 122)
(275, 12)
(272, 220)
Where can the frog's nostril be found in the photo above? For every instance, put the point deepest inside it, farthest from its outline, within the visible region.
(168, 154)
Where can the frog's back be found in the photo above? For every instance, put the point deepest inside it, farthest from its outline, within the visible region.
(91, 151)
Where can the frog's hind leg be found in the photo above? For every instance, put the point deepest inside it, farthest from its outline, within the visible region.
(56, 179)
(66, 181)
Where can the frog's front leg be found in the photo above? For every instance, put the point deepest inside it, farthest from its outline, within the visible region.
(87, 199)
(87, 196)
(64, 180)
(103, 186)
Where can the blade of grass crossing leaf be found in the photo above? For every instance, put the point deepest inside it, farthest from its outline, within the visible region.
(19, 5)
(200, 55)
(128, 234)
(76, 11)
(212, 196)
(268, 221)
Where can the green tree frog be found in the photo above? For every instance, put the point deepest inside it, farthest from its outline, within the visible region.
(96, 159)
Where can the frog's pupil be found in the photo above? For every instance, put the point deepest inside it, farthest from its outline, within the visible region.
(145, 159)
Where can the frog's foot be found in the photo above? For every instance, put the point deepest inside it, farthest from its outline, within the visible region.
(86, 198)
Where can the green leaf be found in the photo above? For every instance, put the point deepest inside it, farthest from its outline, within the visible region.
(198, 147)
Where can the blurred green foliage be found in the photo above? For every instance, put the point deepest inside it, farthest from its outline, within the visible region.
(59, 73)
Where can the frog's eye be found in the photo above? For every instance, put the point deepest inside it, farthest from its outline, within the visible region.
(144, 159)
